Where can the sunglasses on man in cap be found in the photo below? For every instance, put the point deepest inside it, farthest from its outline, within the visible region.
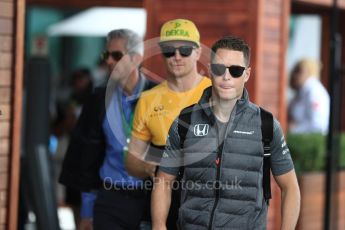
(170, 51)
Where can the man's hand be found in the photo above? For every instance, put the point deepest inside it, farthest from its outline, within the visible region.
(85, 224)
(135, 164)
(139, 168)
(150, 169)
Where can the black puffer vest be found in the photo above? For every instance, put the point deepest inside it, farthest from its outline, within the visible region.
(223, 190)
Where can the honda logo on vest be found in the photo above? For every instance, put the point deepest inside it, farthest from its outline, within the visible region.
(201, 130)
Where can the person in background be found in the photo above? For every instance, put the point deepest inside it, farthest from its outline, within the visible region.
(310, 107)
(69, 110)
(94, 162)
(100, 73)
(62, 126)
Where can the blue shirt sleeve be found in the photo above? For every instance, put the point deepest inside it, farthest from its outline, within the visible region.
(87, 202)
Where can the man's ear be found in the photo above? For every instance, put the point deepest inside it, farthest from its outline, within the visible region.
(247, 74)
(198, 52)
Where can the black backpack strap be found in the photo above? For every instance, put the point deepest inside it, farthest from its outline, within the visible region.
(182, 128)
(267, 136)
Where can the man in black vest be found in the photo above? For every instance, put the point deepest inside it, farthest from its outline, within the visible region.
(222, 155)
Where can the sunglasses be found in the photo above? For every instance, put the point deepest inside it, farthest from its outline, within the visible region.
(115, 55)
(169, 51)
(218, 70)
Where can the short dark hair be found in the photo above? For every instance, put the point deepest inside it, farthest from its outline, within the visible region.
(232, 43)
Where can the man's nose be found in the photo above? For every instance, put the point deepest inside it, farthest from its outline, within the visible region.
(227, 76)
(177, 55)
(109, 60)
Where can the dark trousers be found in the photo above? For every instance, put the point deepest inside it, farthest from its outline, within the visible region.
(118, 210)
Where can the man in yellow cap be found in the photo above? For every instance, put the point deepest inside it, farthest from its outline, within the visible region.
(157, 108)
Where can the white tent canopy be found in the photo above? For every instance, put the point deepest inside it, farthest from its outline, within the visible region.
(98, 21)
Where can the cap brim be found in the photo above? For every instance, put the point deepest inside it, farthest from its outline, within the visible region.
(178, 40)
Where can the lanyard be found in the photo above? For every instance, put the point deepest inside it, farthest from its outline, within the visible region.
(126, 125)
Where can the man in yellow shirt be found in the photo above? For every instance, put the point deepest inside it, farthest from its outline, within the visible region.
(157, 108)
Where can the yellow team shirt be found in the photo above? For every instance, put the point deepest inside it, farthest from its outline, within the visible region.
(158, 107)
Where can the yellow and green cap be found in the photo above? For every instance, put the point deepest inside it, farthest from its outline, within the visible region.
(179, 30)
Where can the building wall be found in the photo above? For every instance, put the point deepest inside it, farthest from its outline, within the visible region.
(6, 45)
(11, 51)
(271, 76)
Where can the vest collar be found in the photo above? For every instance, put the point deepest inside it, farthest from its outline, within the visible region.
(241, 104)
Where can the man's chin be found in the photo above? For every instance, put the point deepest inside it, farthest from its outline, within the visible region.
(177, 73)
(227, 97)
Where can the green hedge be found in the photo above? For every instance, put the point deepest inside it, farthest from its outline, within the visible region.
(309, 151)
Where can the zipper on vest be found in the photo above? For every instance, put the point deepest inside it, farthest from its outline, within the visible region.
(218, 163)
(217, 184)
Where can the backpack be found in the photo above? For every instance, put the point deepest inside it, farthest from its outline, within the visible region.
(267, 136)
